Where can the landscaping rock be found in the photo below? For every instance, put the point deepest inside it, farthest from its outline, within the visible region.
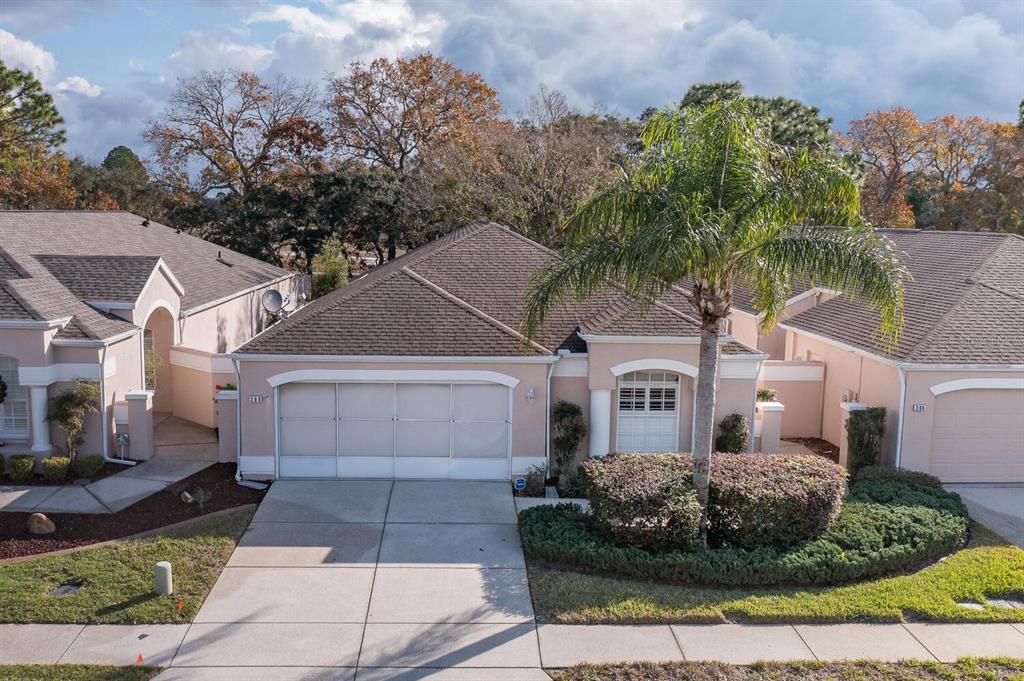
(40, 524)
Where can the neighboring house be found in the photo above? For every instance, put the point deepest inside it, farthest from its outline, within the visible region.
(953, 387)
(418, 370)
(133, 304)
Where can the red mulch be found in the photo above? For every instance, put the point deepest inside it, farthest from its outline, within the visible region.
(107, 470)
(163, 508)
(818, 446)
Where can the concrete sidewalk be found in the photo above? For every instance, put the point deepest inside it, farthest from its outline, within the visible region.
(257, 645)
(109, 495)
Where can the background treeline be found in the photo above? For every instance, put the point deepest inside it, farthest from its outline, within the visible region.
(395, 152)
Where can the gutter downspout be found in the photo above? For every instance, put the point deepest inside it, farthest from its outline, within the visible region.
(899, 423)
(104, 421)
(547, 418)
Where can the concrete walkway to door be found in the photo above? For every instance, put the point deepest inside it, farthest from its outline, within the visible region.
(375, 579)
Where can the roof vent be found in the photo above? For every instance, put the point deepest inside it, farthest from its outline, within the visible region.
(145, 222)
(222, 261)
(178, 230)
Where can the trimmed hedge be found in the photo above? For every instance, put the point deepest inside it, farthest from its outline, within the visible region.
(733, 434)
(868, 540)
(55, 468)
(897, 494)
(88, 465)
(21, 467)
(634, 495)
(644, 500)
(900, 475)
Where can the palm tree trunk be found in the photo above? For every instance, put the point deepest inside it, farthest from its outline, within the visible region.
(704, 420)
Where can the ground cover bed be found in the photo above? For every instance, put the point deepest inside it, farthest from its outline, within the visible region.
(961, 670)
(75, 672)
(158, 510)
(896, 551)
(115, 582)
(105, 471)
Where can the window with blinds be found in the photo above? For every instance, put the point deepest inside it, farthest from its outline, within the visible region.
(14, 409)
(648, 415)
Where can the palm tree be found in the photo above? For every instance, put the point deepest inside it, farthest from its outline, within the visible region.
(712, 202)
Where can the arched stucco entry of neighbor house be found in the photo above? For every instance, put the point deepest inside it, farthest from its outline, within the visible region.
(675, 367)
(157, 340)
(393, 423)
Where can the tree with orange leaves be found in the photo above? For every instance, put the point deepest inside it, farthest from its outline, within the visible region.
(240, 130)
(387, 111)
(889, 144)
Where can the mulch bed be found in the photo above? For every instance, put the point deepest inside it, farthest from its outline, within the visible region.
(163, 508)
(818, 446)
(107, 470)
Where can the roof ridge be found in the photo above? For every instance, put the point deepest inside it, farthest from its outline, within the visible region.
(375, 277)
(451, 297)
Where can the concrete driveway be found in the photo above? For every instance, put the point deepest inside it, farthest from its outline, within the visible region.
(371, 580)
(998, 507)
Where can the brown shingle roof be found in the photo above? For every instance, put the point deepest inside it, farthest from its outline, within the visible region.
(965, 303)
(461, 295)
(65, 257)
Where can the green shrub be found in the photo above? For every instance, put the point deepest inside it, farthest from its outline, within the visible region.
(55, 468)
(88, 465)
(568, 428)
(21, 467)
(748, 495)
(868, 540)
(900, 475)
(571, 486)
(644, 500)
(766, 395)
(535, 477)
(897, 494)
(733, 434)
(864, 432)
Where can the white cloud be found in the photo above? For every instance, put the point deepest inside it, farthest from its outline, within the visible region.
(198, 51)
(27, 56)
(78, 85)
(136, 64)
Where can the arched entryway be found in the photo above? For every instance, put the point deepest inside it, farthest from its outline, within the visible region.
(157, 339)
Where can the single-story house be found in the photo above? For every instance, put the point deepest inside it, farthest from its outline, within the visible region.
(418, 370)
(953, 388)
(147, 311)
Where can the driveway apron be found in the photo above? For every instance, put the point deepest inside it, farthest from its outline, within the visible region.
(384, 580)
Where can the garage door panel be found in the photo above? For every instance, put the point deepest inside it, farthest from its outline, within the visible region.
(307, 400)
(307, 437)
(423, 438)
(481, 402)
(424, 401)
(366, 400)
(978, 436)
(308, 467)
(363, 437)
(480, 440)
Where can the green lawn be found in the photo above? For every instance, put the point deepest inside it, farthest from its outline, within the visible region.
(75, 672)
(118, 579)
(987, 567)
(962, 670)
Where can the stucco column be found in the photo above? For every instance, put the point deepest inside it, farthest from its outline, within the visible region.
(771, 426)
(140, 424)
(600, 421)
(844, 440)
(227, 425)
(40, 427)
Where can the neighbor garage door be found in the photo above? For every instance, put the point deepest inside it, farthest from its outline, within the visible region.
(400, 430)
(978, 436)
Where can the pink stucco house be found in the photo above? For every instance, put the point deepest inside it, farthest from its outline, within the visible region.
(953, 388)
(418, 369)
(147, 311)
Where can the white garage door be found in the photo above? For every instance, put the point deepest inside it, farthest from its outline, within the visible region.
(395, 430)
(978, 436)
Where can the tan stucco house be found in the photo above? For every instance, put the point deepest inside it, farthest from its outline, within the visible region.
(954, 386)
(147, 311)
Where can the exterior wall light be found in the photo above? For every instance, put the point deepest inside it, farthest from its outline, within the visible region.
(531, 396)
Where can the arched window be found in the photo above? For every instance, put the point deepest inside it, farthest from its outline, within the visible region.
(14, 409)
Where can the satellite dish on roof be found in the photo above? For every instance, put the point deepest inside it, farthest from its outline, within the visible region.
(272, 301)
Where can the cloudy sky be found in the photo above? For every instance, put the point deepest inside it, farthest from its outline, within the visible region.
(111, 64)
